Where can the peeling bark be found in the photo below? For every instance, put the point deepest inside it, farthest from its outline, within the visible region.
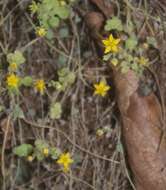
(141, 132)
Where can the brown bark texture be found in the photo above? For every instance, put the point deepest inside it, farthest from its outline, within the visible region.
(141, 131)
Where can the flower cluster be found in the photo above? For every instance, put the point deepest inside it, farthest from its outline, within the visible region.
(124, 55)
(49, 14)
(14, 81)
(43, 151)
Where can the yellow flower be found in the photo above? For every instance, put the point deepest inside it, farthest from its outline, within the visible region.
(41, 32)
(100, 132)
(12, 81)
(40, 86)
(65, 160)
(33, 7)
(45, 151)
(101, 88)
(13, 66)
(111, 44)
(30, 158)
(143, 61)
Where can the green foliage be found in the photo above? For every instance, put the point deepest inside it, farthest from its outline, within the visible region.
(37, 151)
(131, 54)
(18, 112)
(131, 43)
(16, 57)
(125, 66)
(152, 41)
(107, 57)
(50, 12)
(55, 153)
(130, 62)
(23, 150)
(27, 81)
(66, 79)
(114, 24)
(62, 60)
(49, 34)
(64, 32)
(40, 145)
(55, 111)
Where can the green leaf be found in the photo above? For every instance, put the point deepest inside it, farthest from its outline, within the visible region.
(54, 21)
(152, 41)
(63, 72)
(27, 81)
(62, 60)
(131, 43)
(50, 12)
(107, 57)
(125, 66)
(49, 34)
(18, 112)
(66, 78)
(135, 67)
(55, 153)
(114, 24)
(16, 57)
(55, 111)
(63, 12)
(70, 78)
(64, 32)
(129, 58)
(23, 150)
(59, 86)
(39, 146)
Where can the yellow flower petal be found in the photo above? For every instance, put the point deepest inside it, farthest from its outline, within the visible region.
(107, 49)
(116, 41)
(111, 38)
(114, 49)
(106, 42)
(106, 88)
